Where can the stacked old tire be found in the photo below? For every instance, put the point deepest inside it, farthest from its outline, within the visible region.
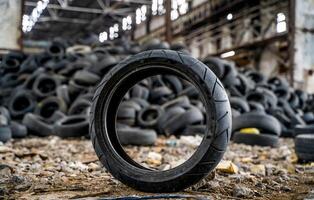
(267, 104)
(50, 93)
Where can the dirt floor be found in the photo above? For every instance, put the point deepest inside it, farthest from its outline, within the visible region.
(53, 168)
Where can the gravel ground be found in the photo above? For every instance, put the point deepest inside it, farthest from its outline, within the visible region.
(53, 168)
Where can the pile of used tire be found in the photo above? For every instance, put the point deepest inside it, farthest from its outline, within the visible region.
(160, 105)
(50, 93)
(263, 108)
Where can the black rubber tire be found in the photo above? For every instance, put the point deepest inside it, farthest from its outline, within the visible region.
(235, 113)
(215, 65)
(258, 97)
(176, 125)
(194, 130)
(21, 102)
(168, 115)
(131, 104)
(239, 104)
(74, 66)
(71, 126)
(49, 105)
(182, 101)
(304, 147)
(139, 91)
(56, 49)
(5, 112)
(160, 94)
(29, 82)
(173, 83)
(190, 92)
(303, 96)
(75, 89)
(303, 129)
(5, 134)
(79, 106)
(155, 44)
(142, 102)
(271, 98)
(230, 73)
(105, 103)
(37, 125)
(14, 55)
(256, 107)
(278, 82)
(63, 93)
(257, 77)
(243, 87)
(10, 80)
(256, 139)
(55, 117)
(18, 130)
(136, 136)
(266, 123)
(126, 112)
(282, 93)
(45, 85)
(149, 116)
(86, 78)
(294, 101)
(106, 63)
(308, 117)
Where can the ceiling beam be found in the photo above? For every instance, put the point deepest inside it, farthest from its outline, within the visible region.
(64, 20)
(82, 9)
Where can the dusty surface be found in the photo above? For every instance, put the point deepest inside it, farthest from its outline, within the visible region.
(52, 168)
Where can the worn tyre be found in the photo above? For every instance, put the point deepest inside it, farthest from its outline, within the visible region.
(71, 126)
(5, 133)
(37, 125)
(304, 147)
(18, 130)
(21, 102)
(136, 136)
(256, 139)
(266, 123)
(304, 129)
(104, 108)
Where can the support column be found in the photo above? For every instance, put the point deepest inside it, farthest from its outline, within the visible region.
(168, 21)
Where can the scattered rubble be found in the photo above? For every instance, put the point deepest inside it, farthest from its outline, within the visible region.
(54, 168)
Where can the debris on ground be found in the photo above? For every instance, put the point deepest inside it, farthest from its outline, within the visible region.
(54, 168)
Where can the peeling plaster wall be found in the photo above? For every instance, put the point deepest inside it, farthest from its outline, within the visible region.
(304, 43)
(10, 24)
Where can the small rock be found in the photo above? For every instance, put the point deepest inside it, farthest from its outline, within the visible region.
(154, 158)
(5, 170)
(310, 196)
(93, 167)
(227, 167)
(4, 149)
(258, 169)
(286, 188)
(242, 192)
(261, 185)
(193, 141)
(213, 185)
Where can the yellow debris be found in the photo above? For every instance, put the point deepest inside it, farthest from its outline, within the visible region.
(227, 167)
(293, 158)
(250, 131)
(258, 169)
(246, 160)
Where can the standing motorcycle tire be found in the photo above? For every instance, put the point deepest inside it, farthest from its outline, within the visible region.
(105, 104)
